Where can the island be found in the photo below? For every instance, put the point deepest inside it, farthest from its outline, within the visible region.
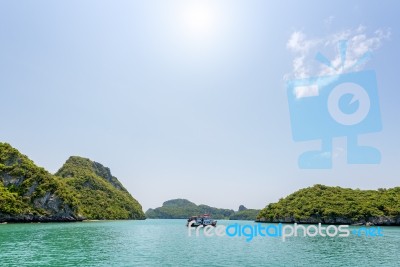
(183, 209)
(81, 190)
(335, 205)
(245, 214)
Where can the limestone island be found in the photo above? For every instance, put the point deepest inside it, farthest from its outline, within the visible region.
(81, 190)
(336, 205)
(183, 209)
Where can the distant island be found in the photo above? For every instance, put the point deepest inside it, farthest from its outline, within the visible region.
(244, 214)
(81, 189)
(336, 205)
(183, 209)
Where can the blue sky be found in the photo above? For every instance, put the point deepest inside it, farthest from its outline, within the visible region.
(187, 99)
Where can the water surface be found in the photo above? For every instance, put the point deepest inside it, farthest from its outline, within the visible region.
(166, 243)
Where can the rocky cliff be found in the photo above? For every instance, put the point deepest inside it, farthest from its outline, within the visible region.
(101, 195)
(29, 193)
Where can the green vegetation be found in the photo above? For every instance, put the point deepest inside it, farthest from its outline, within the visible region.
(183, 209)
(12, 203)
(24, 187)
(101, 195)
(248, 215)
(83, 189)
(336, 205)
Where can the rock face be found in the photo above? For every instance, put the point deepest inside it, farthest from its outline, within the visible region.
(244, 213)
(31, 194)
(336, 205)
(100, 194)
(105, 173)
(242, 208)
(86, 190)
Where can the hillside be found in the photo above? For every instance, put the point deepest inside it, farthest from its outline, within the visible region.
(183, 209)
(30, 193)
(336, 205)
(244, 214)
(81, 189)
(100, 194)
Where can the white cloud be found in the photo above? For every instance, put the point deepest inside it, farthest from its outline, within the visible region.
(301, 46)
(359, 42)
(298, 42)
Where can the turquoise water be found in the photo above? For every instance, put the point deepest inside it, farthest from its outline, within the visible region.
(166, 243)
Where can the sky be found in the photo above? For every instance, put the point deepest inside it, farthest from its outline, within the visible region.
(188, 99)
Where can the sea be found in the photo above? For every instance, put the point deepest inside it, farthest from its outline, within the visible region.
(162, 242)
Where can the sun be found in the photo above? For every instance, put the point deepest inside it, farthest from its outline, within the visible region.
(198, 20)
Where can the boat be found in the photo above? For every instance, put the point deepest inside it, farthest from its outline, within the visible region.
(203, 220)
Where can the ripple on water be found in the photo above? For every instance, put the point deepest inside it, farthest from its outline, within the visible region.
(166, 243)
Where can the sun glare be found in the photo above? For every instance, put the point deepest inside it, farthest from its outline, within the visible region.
(199, 20)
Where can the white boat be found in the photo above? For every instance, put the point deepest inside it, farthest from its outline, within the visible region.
(203, 220)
